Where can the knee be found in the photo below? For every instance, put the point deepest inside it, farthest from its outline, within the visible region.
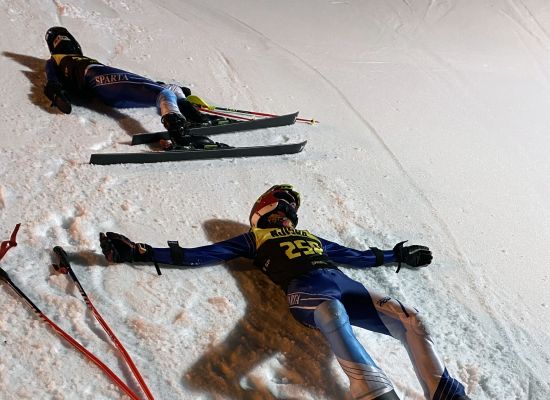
(330, 315)
(166, 95)
(167, 102)
(416, 323)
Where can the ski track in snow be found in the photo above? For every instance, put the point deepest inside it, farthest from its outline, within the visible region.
(352, 215)
(370, 128)
(522, 17)
(509, 334)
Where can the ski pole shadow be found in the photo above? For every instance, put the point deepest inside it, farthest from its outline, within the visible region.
(36, 76)
(87, 258)
(266, 331)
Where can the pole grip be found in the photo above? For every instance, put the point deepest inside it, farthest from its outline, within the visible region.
(63, 264)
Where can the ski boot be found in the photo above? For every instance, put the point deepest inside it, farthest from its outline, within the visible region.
(177, 126)
(205, 143)
(191, 113)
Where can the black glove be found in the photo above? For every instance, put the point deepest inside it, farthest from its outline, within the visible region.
(415, 256)
(58, 96)
(118, 248)
(186, 91)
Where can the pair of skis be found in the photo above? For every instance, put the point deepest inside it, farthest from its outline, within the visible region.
(181, 154)
(64, 267)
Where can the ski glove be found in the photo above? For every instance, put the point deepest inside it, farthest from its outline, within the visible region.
(58, 96)
(118, 248)
(415, 255)
(186, 91)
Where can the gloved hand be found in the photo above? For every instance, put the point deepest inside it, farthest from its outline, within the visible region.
(415, 255)
(58, 96)
(118, 248)
(186, 91)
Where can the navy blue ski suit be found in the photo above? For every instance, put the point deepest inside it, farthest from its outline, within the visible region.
(113, 86)
(321, 296)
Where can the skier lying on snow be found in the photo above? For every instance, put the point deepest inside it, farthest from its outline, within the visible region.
(69, 71)
(319, 294)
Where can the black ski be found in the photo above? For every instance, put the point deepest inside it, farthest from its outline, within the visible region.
(261, 123)
(183, 155)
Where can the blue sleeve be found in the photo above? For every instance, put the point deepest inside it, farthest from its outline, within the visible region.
(239, 246)
(355, 258)
(51, 71)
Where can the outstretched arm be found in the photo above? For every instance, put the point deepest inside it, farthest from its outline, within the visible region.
(357, 258)
(54, 89)
(415, 256)
(118, 248)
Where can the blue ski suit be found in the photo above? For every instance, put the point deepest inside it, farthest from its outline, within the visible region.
(112, 86)
(321, 296)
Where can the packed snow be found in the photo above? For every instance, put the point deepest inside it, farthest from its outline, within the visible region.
(433, 129)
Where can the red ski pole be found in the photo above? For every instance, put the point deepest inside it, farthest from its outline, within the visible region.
(207, 107)
(221, 114)
(8, 244)
(4, 247)
(64, 267)
(262, 114)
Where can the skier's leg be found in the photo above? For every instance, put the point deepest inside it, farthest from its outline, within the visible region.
(313, 300)
(184, 107)
(367, 380)
(384, 314)
(123, 89)
(406, 324)
(171, 117)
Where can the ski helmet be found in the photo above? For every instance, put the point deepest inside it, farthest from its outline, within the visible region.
(279, 198)
(60, 41)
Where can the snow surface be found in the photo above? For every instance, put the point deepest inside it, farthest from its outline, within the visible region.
(434, 128)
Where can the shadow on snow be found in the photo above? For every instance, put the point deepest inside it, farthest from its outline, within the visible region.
(266, 330)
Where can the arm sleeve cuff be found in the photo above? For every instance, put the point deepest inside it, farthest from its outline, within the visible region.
(379, 256)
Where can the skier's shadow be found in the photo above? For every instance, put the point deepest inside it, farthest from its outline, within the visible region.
(266, 332)
(36, 75)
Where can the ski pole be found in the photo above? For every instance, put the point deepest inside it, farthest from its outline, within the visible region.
(4, 247)
(203, 105)
(262, 114)
(221, 114)
(8, 244)
(64, 267)
(90, 356)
